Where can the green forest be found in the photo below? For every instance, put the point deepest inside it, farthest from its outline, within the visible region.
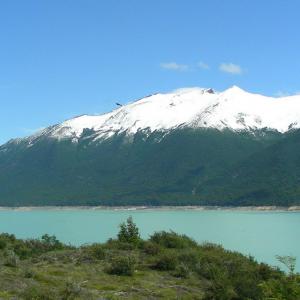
(165, 266)
(184, 167)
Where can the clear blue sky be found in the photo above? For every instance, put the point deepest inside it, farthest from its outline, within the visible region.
(63, 58)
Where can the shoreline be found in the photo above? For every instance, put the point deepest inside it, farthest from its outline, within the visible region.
(157, 208)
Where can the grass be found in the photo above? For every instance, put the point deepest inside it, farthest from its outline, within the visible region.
(167, 266)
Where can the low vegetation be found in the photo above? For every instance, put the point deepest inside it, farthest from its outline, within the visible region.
(166, 266)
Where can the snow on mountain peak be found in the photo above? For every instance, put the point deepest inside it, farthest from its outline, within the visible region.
(233, 108)
(235, 88)
(192, 89)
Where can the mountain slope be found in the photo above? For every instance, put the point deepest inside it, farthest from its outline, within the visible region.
(120, 172)
(271, 177)
(192, 146)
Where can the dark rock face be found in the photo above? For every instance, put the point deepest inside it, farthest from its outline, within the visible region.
(210, 91)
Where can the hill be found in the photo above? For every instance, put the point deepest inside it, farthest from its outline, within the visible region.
(168, 266)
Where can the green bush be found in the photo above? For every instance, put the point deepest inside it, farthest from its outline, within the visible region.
(189, 257)
(172, 240)
(29, 273)
(265, 272)
(72, 290)
(206, 270)
(11, 259)
(151, 248)
(283, 289)
(22, 250)
(5, 239)
(129, 232)
(211, 246)
(38, 293)
(166, 261)
(118, 245)
(182, 271)
(8, 237)
(2, 244)
(51, 242)
(94, 251)
(122, 265)
(32, 247)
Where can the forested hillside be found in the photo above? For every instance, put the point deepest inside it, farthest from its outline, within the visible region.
(185, 167)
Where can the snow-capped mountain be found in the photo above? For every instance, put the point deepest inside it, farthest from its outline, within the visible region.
(189, 147)
(233, 108)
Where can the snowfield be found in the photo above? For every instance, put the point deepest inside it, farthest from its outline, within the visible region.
(234, 109)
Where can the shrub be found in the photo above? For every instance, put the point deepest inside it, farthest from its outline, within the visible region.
(51, 242)
(182, 270)
(166, 261)
(95, 251)
(189, 257)
(8, 237)
(2, 244)
(288, 261)
(29, 273)
(31, 247)
(38, 293)
(172, 240)
(284, 288)
(122, 265)
(98, 251)
(5, 239)
(211, 246)
(129, 232)
(72, 290)
(209, 271)
(151, 248)
(118, 245)
(11, 259)
(265, 272)
(22, 250)
(125, 246)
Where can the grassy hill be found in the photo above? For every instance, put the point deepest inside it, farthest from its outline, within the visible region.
(167, 266)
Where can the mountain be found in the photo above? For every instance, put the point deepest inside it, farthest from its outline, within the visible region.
(233, 109)
(189, 147)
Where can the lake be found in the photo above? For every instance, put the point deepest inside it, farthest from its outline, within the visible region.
(260, 234)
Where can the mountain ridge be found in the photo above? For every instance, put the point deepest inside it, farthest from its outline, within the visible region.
(119, 159)
(233, 108)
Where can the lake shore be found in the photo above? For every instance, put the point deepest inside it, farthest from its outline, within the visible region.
(158, 208)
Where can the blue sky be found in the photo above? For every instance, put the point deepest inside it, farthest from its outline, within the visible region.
(62, 58)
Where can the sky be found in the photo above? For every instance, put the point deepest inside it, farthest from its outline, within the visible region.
(62, 58)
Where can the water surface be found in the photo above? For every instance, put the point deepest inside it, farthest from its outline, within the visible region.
(260, 234)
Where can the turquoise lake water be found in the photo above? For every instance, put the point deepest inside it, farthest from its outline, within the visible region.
(260, 234)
